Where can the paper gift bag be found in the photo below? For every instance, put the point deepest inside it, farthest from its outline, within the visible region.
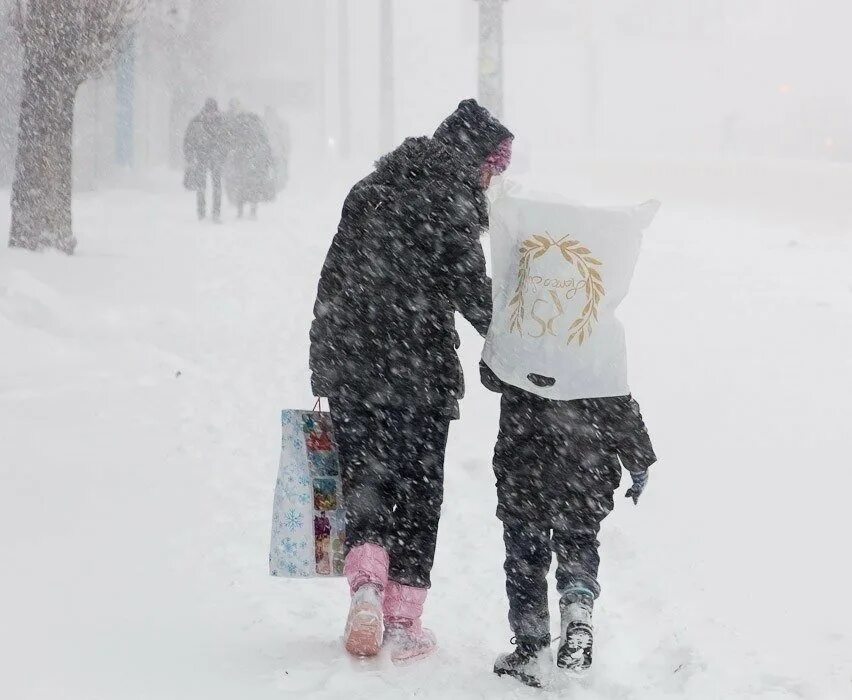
(308, 518)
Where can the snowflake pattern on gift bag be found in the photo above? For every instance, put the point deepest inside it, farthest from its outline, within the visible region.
(308, 491)
(291, 552)
(293, 520)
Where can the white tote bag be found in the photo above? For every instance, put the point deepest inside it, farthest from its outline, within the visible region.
(560, 270)
(308, 517)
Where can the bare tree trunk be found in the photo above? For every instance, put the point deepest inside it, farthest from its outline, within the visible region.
(41, 192)
(65, 42)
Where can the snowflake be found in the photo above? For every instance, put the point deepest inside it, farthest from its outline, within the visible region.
(291, 547)
(292, 569)
(289, 492)
(293, 520)
(304, 480)
(304, 498)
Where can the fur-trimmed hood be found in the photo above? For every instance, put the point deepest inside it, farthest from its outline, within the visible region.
(427, 171)
(455, 153)
(424, 159)
(472, 132)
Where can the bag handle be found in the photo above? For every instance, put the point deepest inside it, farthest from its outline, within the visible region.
(318, 404)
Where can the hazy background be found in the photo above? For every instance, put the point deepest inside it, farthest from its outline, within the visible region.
(142, 378)
(709, 78)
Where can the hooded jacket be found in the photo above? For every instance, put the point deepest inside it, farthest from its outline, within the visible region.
(405, 257)
(205, 141)
(249, 175)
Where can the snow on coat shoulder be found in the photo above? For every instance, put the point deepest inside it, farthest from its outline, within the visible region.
(560, 270)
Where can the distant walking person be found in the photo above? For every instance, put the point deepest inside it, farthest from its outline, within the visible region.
(205, 148)
(250, 175)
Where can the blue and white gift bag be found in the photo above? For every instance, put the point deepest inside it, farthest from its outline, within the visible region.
(308, 518)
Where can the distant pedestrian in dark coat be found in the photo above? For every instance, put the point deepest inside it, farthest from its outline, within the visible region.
(250, 175)
(205, 148)
(406, 257)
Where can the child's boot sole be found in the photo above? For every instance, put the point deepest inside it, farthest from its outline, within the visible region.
(524, 678)
(363, 633)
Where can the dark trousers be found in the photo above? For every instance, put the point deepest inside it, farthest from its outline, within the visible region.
(556, 477)
(201, 193)
(392, 462)
(529, 551)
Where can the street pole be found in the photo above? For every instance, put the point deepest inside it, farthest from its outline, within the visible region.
(386, 78)
(321, 43)
(343, 76)
(491, 55)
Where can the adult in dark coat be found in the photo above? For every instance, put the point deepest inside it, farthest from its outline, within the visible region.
(250, 175)
(405, 258)
(205, 148)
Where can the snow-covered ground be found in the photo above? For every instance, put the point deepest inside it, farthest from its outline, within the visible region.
(140, 389)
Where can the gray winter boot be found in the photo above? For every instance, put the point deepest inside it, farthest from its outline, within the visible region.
(575, 649)
(531, 663)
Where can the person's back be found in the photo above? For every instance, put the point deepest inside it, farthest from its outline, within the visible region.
(250, 140)
(408, 237)
(205, 140)
(406, 254)
(250, 177)
(205, 150)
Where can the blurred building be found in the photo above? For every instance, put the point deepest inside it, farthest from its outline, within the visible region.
(276, 58)
(122, 119)
(663, 76)
(132, 118)
(708, 77)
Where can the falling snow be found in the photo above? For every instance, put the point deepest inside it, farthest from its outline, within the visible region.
(177, 177)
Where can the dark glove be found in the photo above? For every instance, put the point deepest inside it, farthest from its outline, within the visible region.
(640, 481)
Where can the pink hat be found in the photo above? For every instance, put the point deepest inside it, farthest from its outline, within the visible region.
(497, 162)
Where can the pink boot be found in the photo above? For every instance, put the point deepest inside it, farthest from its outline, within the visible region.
(367, 570)
(404, 633)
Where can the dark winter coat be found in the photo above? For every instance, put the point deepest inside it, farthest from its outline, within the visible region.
(250, 174)
(555, 459)
(406, 256)
(205, 147)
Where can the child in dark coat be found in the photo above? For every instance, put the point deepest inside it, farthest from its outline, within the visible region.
(558, 464)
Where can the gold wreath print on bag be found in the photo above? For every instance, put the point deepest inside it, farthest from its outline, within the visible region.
(537, 305)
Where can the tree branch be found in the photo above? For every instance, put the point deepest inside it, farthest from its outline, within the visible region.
(76, 38)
